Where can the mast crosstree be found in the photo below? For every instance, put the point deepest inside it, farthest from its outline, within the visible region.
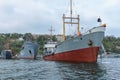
(73, 20)
(51, 31)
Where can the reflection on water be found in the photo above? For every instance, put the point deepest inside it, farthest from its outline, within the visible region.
(51, 70)
(87, 71)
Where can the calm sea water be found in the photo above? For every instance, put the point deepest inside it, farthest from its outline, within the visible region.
(105, 69)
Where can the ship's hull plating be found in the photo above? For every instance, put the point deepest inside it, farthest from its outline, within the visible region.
(6, 54)
(82, 48)
(29, 50)
(81, 55)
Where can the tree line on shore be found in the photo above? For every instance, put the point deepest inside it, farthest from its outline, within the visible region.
(15, 40)
(112, 44)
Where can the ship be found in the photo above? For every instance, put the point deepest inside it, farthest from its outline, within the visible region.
(49, 47)
(6, 54)
(81, 48)
(29, 50)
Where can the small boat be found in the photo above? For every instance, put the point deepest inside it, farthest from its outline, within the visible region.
(6, 54)
(49, 48)
(29, 50)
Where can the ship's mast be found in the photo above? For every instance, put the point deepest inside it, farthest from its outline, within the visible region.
(71, 9)
(51, 30)
(73, 20)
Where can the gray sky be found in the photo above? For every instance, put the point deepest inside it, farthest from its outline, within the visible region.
(36, 16)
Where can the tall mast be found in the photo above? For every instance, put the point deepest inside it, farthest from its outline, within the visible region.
(51, 30)
(74, 20)
(71, 9)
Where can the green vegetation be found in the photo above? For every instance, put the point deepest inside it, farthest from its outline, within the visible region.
(16, 41)
(111, 43)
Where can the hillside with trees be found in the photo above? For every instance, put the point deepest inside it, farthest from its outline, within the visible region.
(111, 43)
(16, 41)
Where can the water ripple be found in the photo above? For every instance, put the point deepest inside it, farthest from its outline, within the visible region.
(39, 69)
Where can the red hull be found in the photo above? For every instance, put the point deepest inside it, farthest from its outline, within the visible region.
(82, 55)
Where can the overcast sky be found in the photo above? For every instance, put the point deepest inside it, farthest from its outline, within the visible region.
(36, 16)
